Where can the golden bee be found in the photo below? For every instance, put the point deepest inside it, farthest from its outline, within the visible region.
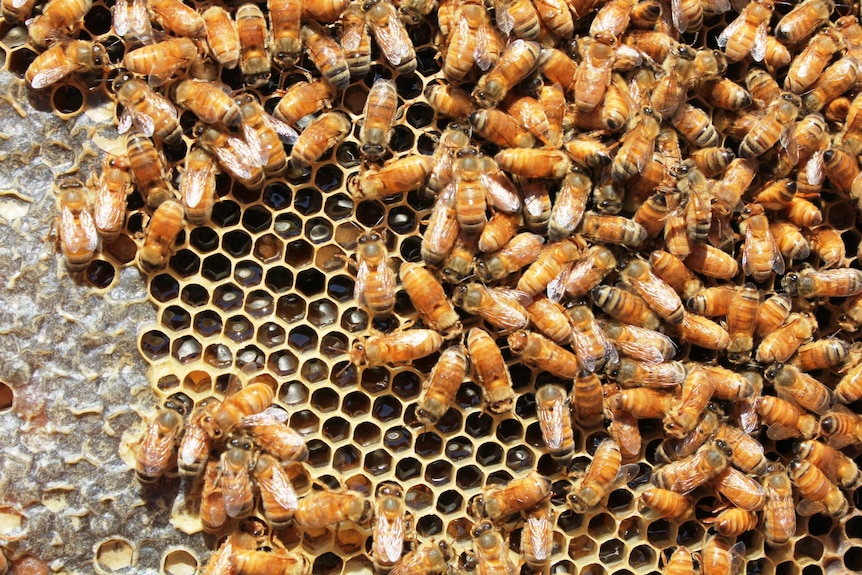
(668, 504)
(59, 18)
(740, 490)
(725, 94)
(151, 113)
(674, 272)
(450, 101)
(490, 551)
(285, 17)
(501, 228)
(640, 343)
(602, 476)
(391, 35)
(222, 36)
(835, 465)
(625, 306)
(593, 75)
(355, 40)
(257, 562)
(375, 279)
(498, 502)
(395, 348)
(158, 446)
(379, 114)
(702, 332)
(587, 399)
(197, 185)
(637, 146)
(209, 102)
(779, 515)
(711, 261)
(429, 299)
(270, 432)
(147, 169)
(503, 308)
(442, 230)
(748, 32)
(658, 295)
(491, 371)
(425, 560)
(840, 427)
(721, 557)
(773, 313)
(390, 528)
(810, 283)
(547, 266)
(234, 478)
(800, 388)
(686, 474)
(17, 10)
(764, 90)
(779, 345)
(775, 126)
(569, 205)
(224, 417)
(322, 509)
(177, 18)
(819, 493)
(538, 351)
(162, 231)
(323, 10)
(397, 177)
(584, 275)
(500, 128)
(807, 66)
(549, 317)
(790, 241)
(234, 155)
(742, 316)
(760, 253)
(195, 445)
(733, 522)
(517, 61)
(278, 498)
(828, 245)
(604, 228)
(254, 45)
(537, 538)
(322, 134)
(591, 346)
(834, 81)
(65, 58)
(472, 40)
(632, 373)
(442, 384)
(212, 510)
(785, 419)
(109, 209)
(161, 61)
(695, 126)
(686, 412)
(680, 562)
(554, 413)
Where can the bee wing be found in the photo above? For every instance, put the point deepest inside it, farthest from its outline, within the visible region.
(252, 139)
(758, 50)
(122, 22)
(512, 295)
(680, 20)
(624, 429)
(505, 20)
(808, 507)
(156, 449)
(737, 557)
(747, 249)
(554, 422)
(747, 416)
(777, 258)
(163, 104)
(500, 195)
(287, 134)
(238, 157)
(270, 416)
(351, 37)
(483, 54)
(192, 444)
(234, 497)
(81, 235)
(777, 432)
(140, 22)
(362, 274)
(788, 140)
(730, 31)
(393, 41)
(557, 286)
(389, 538)
(50, 76)
(814, 168)
(144, 123)
(626, 474)
(279, 486)
(642, 350)
(580, 341)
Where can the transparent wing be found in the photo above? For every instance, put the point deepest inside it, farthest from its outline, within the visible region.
(122, 23)
(814, 168)
(287, 134)
(272, 415)
(731, 30)
(362, 274)
(758, 50)
(503, 197)
(389, 537)
(279, 486)
(553, 422)
(51, 76)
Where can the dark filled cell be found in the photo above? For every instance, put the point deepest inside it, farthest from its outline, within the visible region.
(176, 318)
(20, 60)
(341, 288)
(324, 399)
(428, 444)
(67, 99)
(277, 196)
(100, 274)
(307, 201)
(386, 408)
(314, 370)
(402, 220)
(215, 267)
(338, 207)
(164, 288)
(238, 329)
(458, 448)
(429, 526)
(318, 453)
(155, 345)
(370, 214)
(290, 308)
(237, 243)
(449, 501)
(356, 404)
(336, 429)
(489, 454)
(407, 468)
(256, 219)
(226, 213)
(185, 262)
(270, 335)
(203, 239)
(310, 282)
(378, 461)
(438, 473)
(398, 439)
(420, 115)
(298, 253)
(468, 477)
(520, 459)
(218, 355)
(853, 559)
(322, 313)
(348, 155)
(329, 178)
(259, 303)
(510, 430)
(302, 339)
(402, 139)
(479, 424)
(278, 279)
(409, 87)
(194, 295)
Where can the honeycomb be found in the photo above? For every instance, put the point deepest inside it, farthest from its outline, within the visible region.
(263, 289)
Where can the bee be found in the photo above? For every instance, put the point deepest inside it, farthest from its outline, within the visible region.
(115, 185)
(537, 537)
(530, 114)
(807, 66)
(695, 126)
(686, 412)
(645, 15)
(616, 109)
(637, 147)
(451, 102)
(640, 343)
(672, 271)
(491, 371)
(680, 562)
(725, 94)
(711, 261)
(584, 274)
(550, 318)
(65, 58)
(591, 346)
(195, 445)
(234, 155)
(800, 388)
(779, 345)
(503, 308)
(733, 522)
(668, 504)
(588, 152)
(498, 502)
(773, 313)
(375, 280)
(587, 398)
(491, 552)
(379, 113)
(323, 10)
(197, 186)
(802, 213)
(234, 478)
(18, 11)
(499, 230)
(303, 99)
(570, 205)
(472, 40)
(841, 168)
(760, 253)
(395, 348)
(440, 387)
(828, 244)
(785, 419)
(269, 429)
(740, 490)
(459, 264)
(547, 266)
(776, 125)
(212, 508)
(454, 138)
(612, 18)
(501, 129)
(326, 131)
(764, 90)
(558, 68)
(397, 177)
(593, 76)
(208, 101)
(162, 60)
(442, 229)
(254, 45)
(741, 322)
(538, 351)
(657, 294)
(326, 55)
(687, 474)
(834, 81)
(779, 514)
(355, 40)
(790, 241)
(177, 18)
(429, 299)
(821, 354)
(534, 163)
(840, 428)
(256, 562)
(835, 465)
(146, 166)
(602, 476)
(687, 15)
(712, 301)
(390, 527)
(285, 17)
(670, 90)
(623, 428)
(612, 229)
(425, 560)
(151, 113)
(221, 560)
(625, 306)
(391, 36)
(748, 32)
(632, 373)
(322, 509)
(59, 18)
(719, 557)
(222, 36)
(250, 400)
(162, 231)
(158, 446)
(554, 413)
(702, 332)
(278, 498)
(818, 490)
(810, 283)
(712, 161)
(607, 196)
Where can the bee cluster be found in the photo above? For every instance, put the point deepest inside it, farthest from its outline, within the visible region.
(622, 229)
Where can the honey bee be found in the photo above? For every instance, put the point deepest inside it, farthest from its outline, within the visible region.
(536, 200)
(162, 231)
(668, 504)
(375, 280)
(802, 213)
(158, 446)
(840, 427)
(538, 351)
(440, 387)
(640, 343)
(379, 113)
(785, 419)
(146, 166)
(254, 45)
(547, 266)
(321, 509)
(712, 301)
(502, 308)
(18, 11)
(320, 135)
(776, 194)
(269, 430)
(687, 15)
(397, 177)
(491, 371)
(712, 161)
(810, 283)
(323, 10)
(162, 60)
(834, 81)
(197, 186)
(391, 36)
(818, 490)
(222, 36)
(591, 346)
(612, 18)
(450, 101)
(821, 354)
(760, 253)
(256, 562)
(687, 474)
(195, 445)
(221, 560)
(151, 113)
(109, 209)
(550, 319)
(711, 261)
(390, 527)
(499, 230)
(748, 32)
(537, 537)
(835, 465)
(763, 87)
(177, 18)
(442, 230)
(702, 332)
(425, 560)
(779, 514)
(250, 400)
(588, 152)
(459, 264)
(491, 552)
(645, 14)
(584, 275)
(395, 348)
(234, 155)
(695, 126)
(612, 229)
(725, 94)
(430, 300)
(779, 345)
(212, 510)
(686, 412)
(720, 557)
(593, 76)
(657, 294)
(454, 138)
(303, 99)
(790, 241)
(773, 314)
(637, 146)
(602, 476)
(674, 272)
(800, 388)
(680, 562)
(571, 201)
(278, 498)
(841, 168)
(234, 478)
(776, 125)
(623, 428)
(355, 40)
(741, 322)
(59, 18)
(828, 244)
(558, 68)
(587, 398)
(670, 90)
(65, 58)
(625, 306)
(208, 101)
(632, 373)
(807, 66)
(498, 502)
(285, 17)
(740, 490)
(501, 129)
(472, 40)
(265, 135)
(733, 522)
(553, 411)
(534, 163)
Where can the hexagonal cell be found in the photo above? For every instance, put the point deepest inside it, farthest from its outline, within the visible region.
(307, 201)
(354, 320)
(407, 468)
(469, 477)
(194, 295)
(227, 297)
(67, 99)
(226, 213)
(186, 349)
(310, 282)
(250, 358)
(256, 219)
(429, 526)
(207, 323)
(164, 288)
(155, 345)
(99, 274)
(322, 313)
(218, 355)
(277, 196)
(283, 363)
(215, 267)
(318, 230)
(346, 457)
(238, 328)
(302, 339)
(248, 273)
(808, 547)
(268, 248)
(113, 555)
(601, 525)
(278, 279)
(336, 429)
(406, 385)
(334, 344)
(478, 424)
(853, 559)
(168, 382)
(198, 381)
(290, 308)
(386, 408)
(581, 547)
(375, 379)
(489, 454)
(185, 262)
(520, 458)
(271, 335)
(659, 533)
(175, 318)
(378, 461)
(438, 472)
(288, 226)
(259, 303)
(593, 569)
(338, 206)
(319, 454)
(305, 422)
(689, 533)
(203, 240)
(458, 448)
(328, 564)
(428, 444)
(179, 562)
